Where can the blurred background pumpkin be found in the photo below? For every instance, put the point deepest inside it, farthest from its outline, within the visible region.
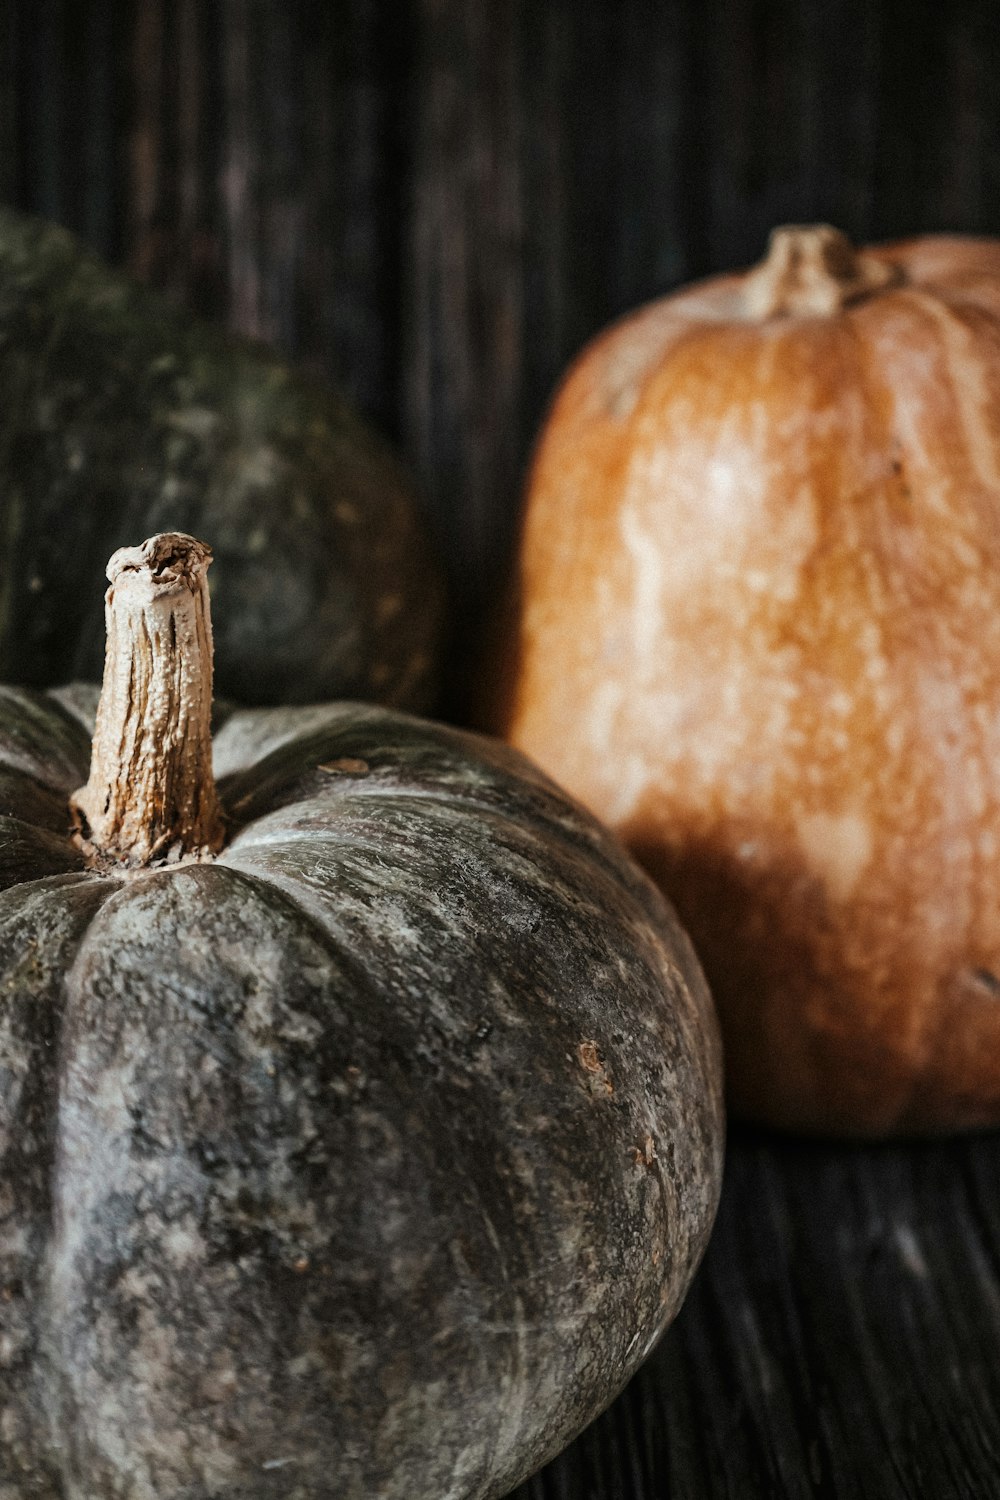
(755, 627)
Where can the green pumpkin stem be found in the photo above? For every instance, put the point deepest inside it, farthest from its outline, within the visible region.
(151, 795)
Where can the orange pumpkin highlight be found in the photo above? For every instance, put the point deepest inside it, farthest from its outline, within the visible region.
(757, 630)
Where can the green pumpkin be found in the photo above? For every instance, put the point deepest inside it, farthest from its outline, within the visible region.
(123, 417)
(364, 1149)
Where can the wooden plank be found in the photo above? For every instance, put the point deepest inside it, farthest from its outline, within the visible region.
(355, 81)
(464, 332)
(10, 133)
(64, 115)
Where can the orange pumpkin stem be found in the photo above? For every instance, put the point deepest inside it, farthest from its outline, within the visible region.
(812, 270)
(151, 795)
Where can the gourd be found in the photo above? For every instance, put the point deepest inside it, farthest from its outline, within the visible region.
(756, 627)
(360, 1112)
(123, 417)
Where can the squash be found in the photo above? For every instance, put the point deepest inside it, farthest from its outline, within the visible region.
(360, 1117)
(123, 417)
(756, 627)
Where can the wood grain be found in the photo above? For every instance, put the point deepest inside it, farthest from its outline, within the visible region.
(840, 1339)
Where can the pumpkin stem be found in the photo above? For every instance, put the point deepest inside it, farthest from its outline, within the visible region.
(151, 795)
(812, 270)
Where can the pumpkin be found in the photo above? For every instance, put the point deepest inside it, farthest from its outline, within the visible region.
(122, 417)
(756, 627)
(360, 1120)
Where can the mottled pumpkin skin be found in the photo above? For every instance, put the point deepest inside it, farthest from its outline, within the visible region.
(757, 630)
(122, 417)
(368, 1159)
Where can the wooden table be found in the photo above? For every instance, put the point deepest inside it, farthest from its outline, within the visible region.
(842, 1339)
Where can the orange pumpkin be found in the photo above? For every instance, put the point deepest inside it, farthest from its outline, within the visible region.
(758, 631)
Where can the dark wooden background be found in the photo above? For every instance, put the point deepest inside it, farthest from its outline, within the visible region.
(437, 202)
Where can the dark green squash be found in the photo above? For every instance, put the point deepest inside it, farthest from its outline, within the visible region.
(121, 417)
(364, 1155)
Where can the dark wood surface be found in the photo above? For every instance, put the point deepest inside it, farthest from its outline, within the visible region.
(437, 202)
(842, 1338)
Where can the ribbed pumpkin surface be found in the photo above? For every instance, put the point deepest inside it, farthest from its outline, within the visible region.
(757, 629)
(369, 1158)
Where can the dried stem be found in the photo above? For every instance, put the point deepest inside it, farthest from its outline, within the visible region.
(151, 794)
(813, 270)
